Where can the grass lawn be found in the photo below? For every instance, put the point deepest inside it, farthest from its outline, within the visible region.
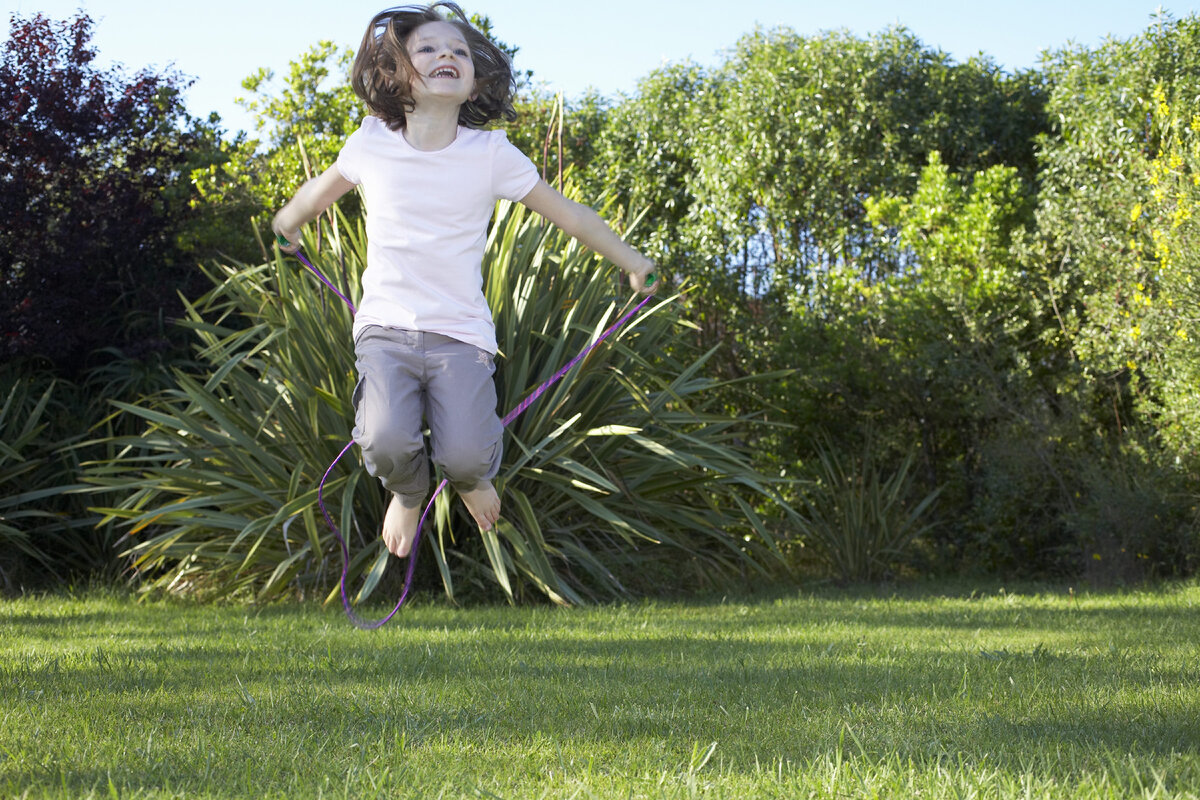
(933, 691)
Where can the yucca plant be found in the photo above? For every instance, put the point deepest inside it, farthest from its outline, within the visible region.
(220, 489)
(618, 476)
(856, 516)
(36, 472)
(20, 427)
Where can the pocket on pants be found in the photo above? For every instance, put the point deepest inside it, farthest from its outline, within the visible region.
(485, 358)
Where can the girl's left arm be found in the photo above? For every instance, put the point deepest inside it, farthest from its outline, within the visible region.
(587, 226)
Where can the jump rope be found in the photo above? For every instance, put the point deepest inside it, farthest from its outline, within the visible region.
(520, 408)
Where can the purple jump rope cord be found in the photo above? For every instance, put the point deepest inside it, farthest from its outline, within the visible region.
(508, 418)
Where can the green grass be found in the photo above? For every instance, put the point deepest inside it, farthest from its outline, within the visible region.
(931, 693)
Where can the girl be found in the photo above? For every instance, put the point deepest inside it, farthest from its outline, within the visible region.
(423, 335)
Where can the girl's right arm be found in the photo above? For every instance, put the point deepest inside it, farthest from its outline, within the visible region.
(311, 199)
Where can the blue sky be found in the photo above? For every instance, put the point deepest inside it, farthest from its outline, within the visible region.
(572, 46)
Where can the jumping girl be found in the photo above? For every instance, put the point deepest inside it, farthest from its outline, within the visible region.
(424, 338)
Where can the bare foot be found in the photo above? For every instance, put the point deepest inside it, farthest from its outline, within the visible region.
(483, 503)
(400, 527)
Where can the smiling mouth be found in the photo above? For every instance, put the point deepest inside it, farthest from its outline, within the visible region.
(444, 72)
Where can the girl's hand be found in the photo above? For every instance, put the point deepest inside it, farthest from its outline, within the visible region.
(288, 240)
(644, 280)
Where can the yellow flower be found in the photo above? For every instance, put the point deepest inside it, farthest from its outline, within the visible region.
(1160, 100)
(1136, 212)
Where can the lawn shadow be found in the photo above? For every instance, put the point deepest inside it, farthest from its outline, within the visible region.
(769, 682)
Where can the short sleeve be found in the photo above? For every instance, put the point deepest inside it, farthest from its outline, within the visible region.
(350, 157)
(513, 174)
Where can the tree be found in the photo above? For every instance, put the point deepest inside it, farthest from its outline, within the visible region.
(93, 191)
(1116, 218)
(305, 124)
(753, 174)
(645, 153)
(804, 127)
(1160, 305)
(1117, 242)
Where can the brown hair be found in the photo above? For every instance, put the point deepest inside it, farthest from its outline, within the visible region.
(382, 68)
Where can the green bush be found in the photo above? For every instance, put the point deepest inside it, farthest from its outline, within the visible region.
(858, 516)
(1134, 520)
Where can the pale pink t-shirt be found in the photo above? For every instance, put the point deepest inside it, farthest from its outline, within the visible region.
(427, 218)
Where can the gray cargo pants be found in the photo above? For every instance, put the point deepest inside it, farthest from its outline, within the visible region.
(404, 376)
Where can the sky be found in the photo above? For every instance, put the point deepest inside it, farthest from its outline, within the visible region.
(607, 45)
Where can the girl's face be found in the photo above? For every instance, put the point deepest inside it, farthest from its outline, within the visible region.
(442, 63)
